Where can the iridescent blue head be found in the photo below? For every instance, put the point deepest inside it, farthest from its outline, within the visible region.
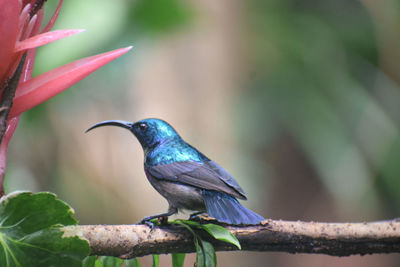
(149, 132)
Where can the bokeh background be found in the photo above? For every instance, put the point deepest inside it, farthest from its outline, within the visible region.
(299, 100)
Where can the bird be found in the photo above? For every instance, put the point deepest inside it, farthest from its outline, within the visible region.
(184, 176)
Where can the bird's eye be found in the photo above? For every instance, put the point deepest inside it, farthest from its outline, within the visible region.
(143, 126)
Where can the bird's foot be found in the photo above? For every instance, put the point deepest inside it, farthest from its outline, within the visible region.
(150, 224)
(152, 221)
(162, 220)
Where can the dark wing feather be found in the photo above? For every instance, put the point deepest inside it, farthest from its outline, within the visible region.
(205, 175)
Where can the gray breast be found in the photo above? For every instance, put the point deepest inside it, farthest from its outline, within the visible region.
(178, 195)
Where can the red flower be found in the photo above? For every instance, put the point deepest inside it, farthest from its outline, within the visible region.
(20, 23)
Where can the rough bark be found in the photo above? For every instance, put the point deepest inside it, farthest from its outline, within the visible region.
(336, 239)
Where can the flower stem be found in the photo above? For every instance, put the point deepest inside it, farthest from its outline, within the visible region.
(7, 96)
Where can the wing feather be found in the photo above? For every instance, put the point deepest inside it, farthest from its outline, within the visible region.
(205, 175)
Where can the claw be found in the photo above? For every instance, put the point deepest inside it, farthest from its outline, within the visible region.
(150, 224)
(158, 219)
(153, 222)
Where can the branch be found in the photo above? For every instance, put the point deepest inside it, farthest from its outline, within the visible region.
(336, 239)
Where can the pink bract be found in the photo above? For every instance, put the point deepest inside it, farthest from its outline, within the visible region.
(20, 32)
(39, 89)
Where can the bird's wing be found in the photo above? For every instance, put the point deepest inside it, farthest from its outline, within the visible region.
(205, 175)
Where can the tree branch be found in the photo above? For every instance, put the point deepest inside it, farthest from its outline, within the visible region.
(336, 239)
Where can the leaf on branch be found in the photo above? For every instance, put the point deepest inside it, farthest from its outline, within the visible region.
(31, 233)
(156, 260)
(210, 259)
(109, 261)
(178, 259)
(89, 261)
(133, 263)
(221, 233)
(200, 262)
(205, 252)
(216, 231)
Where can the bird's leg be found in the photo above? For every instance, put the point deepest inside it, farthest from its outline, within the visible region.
(162, 216)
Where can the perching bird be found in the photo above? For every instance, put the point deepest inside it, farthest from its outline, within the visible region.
(185, 176)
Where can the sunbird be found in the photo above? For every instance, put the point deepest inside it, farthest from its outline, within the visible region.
(184, 176)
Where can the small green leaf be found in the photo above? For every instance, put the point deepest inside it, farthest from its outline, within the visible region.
(109, 261)
(32, 233)
(200, 261)
(216, 231)
(98, 263)
(89, 261)
(133, 262)
(178, 259)
(187, 222)
(221, 233)
(205, 253)
(199, 250)
(156, 260)
(210, 259)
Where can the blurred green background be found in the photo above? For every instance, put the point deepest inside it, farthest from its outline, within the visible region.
(299, 100)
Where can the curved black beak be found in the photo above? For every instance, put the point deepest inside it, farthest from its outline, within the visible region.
(123, 124)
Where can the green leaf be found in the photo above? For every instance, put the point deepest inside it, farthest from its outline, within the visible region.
(205, 253)
(210, 259)
(31, 232)
(216, 231)
(156, 260)
(133, 262)
(221, 233)
(187, 222)
(89, 261)
(178, 259)
(200, 261)
(98, 263)
(199, 250)
(109, 261)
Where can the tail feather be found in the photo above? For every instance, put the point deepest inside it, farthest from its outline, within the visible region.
(216, 209)
(226, 208)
